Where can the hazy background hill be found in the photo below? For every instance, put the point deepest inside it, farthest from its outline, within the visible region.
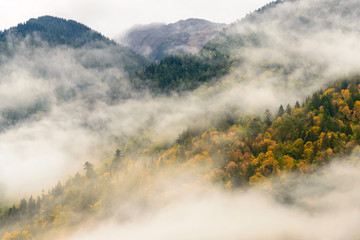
(300, 41)
(287, 45)
(156, 41)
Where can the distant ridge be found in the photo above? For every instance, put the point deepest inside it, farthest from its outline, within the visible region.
(156, 41)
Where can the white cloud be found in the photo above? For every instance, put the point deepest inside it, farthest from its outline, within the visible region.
(324, 206)
(111, 17)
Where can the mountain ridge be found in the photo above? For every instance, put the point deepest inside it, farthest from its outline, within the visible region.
(156, 41)
(55, 31)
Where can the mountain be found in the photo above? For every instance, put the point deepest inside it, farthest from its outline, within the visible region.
(56, 32)
(277, 45)
(156, 41)
(286, 22)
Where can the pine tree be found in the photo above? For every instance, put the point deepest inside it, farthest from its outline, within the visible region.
(57, 190)
(23, 205)
(38, 203)
(288, 109)
(31, 206)
(267, 117)
(281, 111)
(297, 104)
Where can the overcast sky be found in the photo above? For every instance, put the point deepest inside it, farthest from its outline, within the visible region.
(112, 17)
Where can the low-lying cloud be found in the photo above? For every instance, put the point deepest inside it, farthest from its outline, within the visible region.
(58, 112)
(303, 45)
(87, 112)
(323, 205)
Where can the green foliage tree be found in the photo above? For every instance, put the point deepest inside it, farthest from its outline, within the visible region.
(267, 117)
(288, 109)
(281, 111)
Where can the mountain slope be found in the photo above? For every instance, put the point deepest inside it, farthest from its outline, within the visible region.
(284, 51)
(57, 32)
(296, 43)
(288, 45)
(244, 152)
(182, 73)
(156, 41)
(66, 55)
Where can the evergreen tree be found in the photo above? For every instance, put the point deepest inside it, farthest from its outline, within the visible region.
(297, 104)
(89, 167)
(348, 130)
(288, 109)
(10, 211)
(325, 142)
(281, 111)
(116, 159)
(267, 117)
(254, 128)
(31, 206)
(57, 190)
(23, 205)
(38, 203)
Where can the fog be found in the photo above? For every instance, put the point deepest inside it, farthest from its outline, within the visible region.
(85, 109)
(113, 17)
(323, 205)
(155, 41)
(305, 44)
(58, 111)
(66, 114)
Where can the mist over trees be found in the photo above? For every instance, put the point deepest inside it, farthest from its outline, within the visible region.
(261, 123)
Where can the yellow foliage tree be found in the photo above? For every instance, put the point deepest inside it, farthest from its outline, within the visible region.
(15, 235)
(256, 179)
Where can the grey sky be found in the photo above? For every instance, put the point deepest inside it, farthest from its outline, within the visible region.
(111, 17)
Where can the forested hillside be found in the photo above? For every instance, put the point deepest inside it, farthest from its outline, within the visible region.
(282, 39)
(55, 31)
(260, 128)
(238, 153)
(182, 72)
(48, 31)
